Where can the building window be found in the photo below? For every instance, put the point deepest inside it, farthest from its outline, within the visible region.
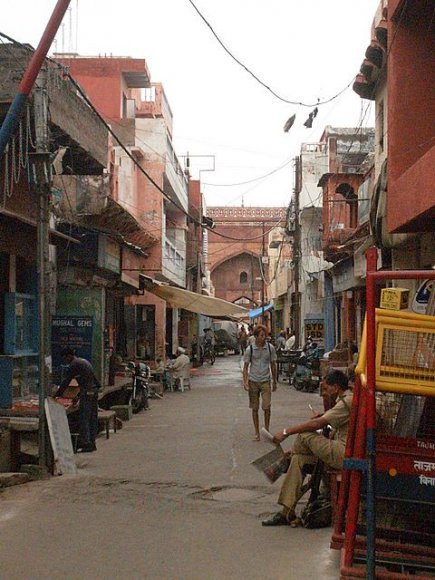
(381, 123)
(243, 277)
(21, 324)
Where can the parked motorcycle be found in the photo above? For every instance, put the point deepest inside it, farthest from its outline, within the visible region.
(139, 389)
(286, 362)
(306, 376)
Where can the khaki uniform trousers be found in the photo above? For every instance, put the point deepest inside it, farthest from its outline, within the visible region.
(307, 448)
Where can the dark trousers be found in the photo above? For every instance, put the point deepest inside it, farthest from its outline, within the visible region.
(88, 411)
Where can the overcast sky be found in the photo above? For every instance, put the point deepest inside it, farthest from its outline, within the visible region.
(304, 50)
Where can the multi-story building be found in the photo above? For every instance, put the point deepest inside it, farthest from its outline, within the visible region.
(78, 145)
(396, 75)
(309, 266)
(279, 272)
(140, 115)
(328, 177)
(349, 165)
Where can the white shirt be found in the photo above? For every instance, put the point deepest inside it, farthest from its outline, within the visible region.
(181, 367)
(290, 342)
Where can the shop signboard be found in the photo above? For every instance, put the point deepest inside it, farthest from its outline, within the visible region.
(314, 329)
(60, 436)
(73, 332)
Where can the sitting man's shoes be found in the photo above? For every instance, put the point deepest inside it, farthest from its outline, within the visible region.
(278, 519)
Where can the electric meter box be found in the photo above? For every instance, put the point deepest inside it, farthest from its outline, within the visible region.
(394, 298)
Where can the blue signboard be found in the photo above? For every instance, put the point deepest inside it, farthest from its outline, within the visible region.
(73, 332)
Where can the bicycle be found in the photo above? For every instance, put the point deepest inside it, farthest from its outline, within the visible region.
(209, 353)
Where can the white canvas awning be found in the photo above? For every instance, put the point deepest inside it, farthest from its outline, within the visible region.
(207, 305)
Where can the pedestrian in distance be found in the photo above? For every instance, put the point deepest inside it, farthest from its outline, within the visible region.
(209, 337)
(280, 341)
(259, 377)
(243, 339)
(291, 340)
(81, 370)
(310, 446)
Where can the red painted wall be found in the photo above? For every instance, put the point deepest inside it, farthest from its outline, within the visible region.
(411, 117)
(227, 257)
(102, 80)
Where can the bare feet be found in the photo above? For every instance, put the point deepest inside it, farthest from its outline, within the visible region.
(257, 437)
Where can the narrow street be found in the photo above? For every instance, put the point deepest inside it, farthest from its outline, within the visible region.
(170, 496)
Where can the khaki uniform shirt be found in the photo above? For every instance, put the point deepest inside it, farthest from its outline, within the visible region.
(338, 417)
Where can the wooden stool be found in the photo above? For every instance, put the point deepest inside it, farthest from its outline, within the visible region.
(334, 484)
(105, 417)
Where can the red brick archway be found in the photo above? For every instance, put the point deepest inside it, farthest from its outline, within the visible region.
(228, 259)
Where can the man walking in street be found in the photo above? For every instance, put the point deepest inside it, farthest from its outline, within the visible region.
(243, 339)
(81, 370)
(311, 446)
(259, 370)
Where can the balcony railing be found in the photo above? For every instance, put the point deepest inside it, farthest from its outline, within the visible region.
(175, 176)
(174, 263)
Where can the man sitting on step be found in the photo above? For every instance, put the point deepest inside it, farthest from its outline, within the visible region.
(310, 446)
(180, 369)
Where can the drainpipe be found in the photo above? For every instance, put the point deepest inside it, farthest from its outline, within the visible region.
(297, 253)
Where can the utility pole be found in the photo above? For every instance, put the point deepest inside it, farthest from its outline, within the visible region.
(13, 115)
(263, 281)
(42, 174)
(199, 291)
(297, 253)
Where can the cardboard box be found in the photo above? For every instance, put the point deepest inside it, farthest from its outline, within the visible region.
(394, 298)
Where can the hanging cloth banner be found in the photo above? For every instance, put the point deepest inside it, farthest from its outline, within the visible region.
(259, 311)
(207, 305)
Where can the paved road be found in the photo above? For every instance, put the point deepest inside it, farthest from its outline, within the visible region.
(170, 497)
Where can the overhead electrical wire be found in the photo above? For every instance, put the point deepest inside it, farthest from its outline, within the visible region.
(251, 180)
(145, 173)
(256, 78)
(130, 155)
(27, 47)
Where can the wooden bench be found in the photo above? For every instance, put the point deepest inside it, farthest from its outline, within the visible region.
(104, 418)
(17, 426)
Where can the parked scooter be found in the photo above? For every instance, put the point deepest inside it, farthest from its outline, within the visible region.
(140, 393)
(306, 376)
